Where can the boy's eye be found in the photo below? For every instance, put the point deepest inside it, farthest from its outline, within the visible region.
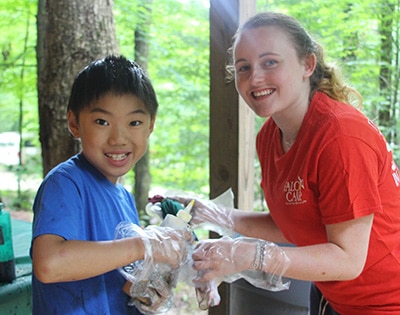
(135, 123)
(101, 122)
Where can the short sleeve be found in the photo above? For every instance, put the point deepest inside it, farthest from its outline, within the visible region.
(57, 208)
(348, 176)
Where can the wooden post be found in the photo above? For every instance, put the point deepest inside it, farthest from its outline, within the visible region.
(231, 122)
(245, 195)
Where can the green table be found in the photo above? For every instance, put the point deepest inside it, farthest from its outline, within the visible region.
(15, 297)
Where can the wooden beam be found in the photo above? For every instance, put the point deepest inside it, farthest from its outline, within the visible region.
(224, 114)
(231, 121)
(245, 196)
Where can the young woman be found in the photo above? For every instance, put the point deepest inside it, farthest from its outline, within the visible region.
(328, 177)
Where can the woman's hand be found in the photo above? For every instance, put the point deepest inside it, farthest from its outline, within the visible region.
(216, 258)
(227, 259)
(208, 214)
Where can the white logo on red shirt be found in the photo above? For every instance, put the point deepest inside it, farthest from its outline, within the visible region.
(395, 174)
(294, 191)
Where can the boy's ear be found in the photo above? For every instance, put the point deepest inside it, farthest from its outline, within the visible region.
(152, 123)
(73, 126)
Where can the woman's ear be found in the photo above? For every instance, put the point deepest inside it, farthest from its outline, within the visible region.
(73, 125)
(310, 64)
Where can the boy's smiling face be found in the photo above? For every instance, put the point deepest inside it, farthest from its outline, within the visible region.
(114, 133)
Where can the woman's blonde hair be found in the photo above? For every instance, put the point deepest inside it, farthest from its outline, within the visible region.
(326, 77)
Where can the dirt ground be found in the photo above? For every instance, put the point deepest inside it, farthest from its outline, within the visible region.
(22, 215)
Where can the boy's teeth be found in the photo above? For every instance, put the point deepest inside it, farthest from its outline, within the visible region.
(117, 157)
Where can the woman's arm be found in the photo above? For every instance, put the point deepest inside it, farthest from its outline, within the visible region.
(341, 258)
(258, 225)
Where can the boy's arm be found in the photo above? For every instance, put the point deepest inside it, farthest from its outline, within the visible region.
(57, 260)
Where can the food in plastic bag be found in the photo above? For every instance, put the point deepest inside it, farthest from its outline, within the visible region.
(150, 285)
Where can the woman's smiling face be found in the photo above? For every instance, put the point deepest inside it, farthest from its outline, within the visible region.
(268, 73)
(114, 133)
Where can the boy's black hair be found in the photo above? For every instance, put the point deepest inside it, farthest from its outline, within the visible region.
(112, 74)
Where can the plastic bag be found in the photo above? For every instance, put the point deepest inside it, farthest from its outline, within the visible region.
(150, 285)
(207, 294)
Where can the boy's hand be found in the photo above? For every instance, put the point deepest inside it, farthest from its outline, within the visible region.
(166, 245)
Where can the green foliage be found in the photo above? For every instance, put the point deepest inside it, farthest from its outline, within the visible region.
(179, 69)
(18, 101)
(18, 65)
(349, 33)
(17, 201)
(180, 146)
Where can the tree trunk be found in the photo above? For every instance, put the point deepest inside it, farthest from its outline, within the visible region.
(71, 33)
(386, 117)
(142, 167)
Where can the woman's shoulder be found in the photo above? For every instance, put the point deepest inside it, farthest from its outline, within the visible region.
(328, 114)
(344, 126)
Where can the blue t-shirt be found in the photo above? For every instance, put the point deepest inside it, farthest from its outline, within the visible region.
(77, 202)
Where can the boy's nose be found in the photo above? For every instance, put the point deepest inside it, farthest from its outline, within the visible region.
(117, 136)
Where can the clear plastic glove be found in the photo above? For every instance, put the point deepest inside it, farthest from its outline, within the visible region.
(215, 215)
(162, 244)
(153, 295)
(261, 263)
(150, 281)
(207, 294)
(166, 245)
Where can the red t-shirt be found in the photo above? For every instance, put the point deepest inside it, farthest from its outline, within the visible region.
(339, 168)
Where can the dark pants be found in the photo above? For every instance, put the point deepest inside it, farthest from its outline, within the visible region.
(318, 304)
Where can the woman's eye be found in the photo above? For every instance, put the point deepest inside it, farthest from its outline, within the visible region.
(242, 68)
(270, 63)
(101, 122)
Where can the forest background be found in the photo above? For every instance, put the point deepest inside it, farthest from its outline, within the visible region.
(362, 37)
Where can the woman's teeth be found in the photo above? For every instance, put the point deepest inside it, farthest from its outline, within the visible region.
(262, 93)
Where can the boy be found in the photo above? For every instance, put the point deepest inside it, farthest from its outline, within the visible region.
(112, 110)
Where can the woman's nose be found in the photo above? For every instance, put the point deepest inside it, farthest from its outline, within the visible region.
(257, 76)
